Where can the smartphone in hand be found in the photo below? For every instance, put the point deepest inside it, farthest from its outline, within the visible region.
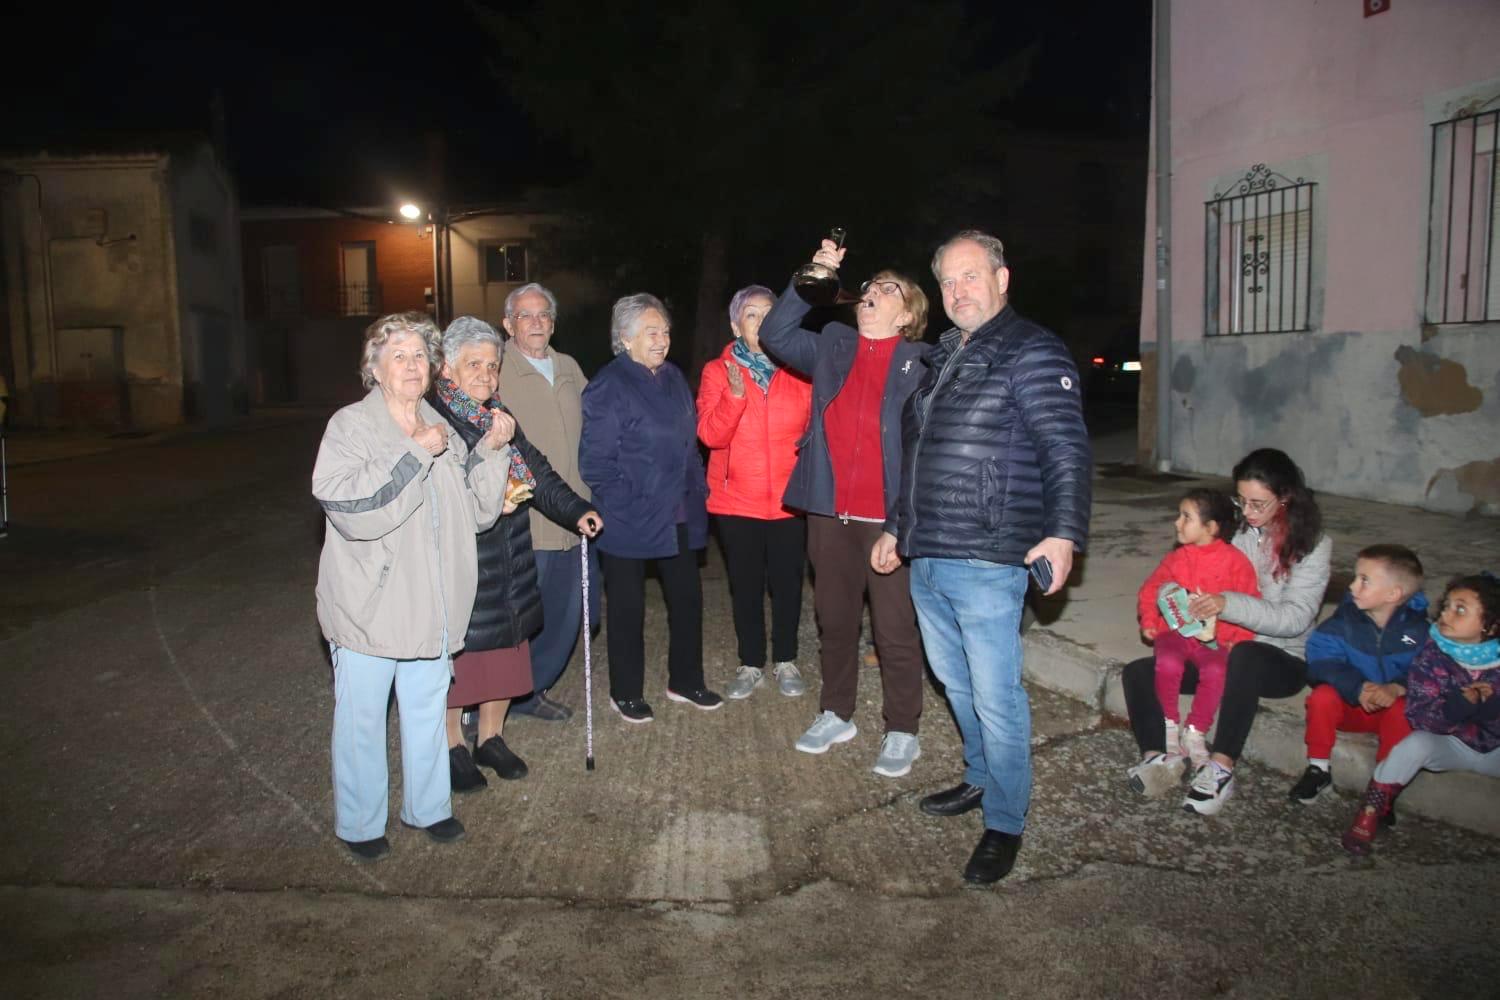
(1041, 572)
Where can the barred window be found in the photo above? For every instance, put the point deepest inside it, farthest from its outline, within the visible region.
(505, 263)
(1258, 259)
(1463, 221)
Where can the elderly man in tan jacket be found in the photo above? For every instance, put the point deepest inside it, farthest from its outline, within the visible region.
(543, 389)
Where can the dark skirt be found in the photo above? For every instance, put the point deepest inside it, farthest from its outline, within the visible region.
(490, 675)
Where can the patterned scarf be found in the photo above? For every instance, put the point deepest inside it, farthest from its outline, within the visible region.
(1469, 655)
(461, 404)
(761, 367)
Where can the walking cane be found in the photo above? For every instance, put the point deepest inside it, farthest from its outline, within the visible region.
(588, 673)
(4, 486)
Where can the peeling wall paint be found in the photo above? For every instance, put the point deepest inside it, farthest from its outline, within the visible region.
(1434, 385)
(1477, 480)
(1371, 400)
(1344, 405)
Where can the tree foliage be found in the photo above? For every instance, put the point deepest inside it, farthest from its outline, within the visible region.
(715, 142)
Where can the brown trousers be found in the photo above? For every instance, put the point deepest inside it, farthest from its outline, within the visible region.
(840, 556)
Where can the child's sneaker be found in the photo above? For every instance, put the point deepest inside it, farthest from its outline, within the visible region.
(1212, 786)
(1312, 783)
(1194, 746)
(1156, 775)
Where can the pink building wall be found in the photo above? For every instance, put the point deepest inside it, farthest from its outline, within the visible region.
(1318, 90)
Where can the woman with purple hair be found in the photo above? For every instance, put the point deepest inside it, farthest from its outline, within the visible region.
(751, 414)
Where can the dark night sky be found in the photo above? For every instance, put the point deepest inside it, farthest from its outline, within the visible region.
(331, 105)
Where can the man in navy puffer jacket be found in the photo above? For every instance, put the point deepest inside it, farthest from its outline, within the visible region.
(996, 475)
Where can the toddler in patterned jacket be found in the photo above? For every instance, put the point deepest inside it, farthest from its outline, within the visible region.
(1450, 703)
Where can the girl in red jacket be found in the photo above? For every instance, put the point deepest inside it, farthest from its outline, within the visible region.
(751, 414)
(1203, 562)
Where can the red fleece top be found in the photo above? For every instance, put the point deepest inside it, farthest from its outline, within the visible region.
(1213, 569)
(851, 425)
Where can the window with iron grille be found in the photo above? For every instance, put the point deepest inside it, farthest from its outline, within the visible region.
(505, 263)
(1463, 221)
(1258, 259)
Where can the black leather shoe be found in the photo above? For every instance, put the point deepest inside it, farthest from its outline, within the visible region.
(955, 801)
(444, 831)
(494, 754)
(463, 776)
(368, 850)
(993, 858)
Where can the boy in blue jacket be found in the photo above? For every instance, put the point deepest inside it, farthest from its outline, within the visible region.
(1358, 658)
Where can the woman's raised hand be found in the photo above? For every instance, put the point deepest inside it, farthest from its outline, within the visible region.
(830, 255)
(736, 379)
(431, 437)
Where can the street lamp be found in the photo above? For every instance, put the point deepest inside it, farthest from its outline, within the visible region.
(410, 211)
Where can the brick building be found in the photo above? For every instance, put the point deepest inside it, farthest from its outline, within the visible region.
(313, 281)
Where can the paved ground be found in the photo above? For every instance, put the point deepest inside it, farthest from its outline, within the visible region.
(165, 827)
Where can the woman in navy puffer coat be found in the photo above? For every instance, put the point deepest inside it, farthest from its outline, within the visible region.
(639, 456)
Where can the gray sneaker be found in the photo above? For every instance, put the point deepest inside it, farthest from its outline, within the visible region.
(897, 752)
(826, 730)
(789, 678)
(747, 680)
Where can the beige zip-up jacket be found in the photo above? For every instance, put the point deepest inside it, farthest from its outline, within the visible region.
(551, 417)
(399, 561)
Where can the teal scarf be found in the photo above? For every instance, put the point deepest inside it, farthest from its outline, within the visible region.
(1471, 655)
(761, 367)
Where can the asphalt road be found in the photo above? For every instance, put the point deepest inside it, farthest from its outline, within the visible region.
(165, 828)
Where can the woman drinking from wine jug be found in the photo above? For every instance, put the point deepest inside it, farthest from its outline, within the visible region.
(846, 479)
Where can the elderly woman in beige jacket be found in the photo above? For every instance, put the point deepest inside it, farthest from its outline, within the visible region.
(544, 389)
(404, 499)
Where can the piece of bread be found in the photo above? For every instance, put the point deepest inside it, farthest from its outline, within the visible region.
(517, 491)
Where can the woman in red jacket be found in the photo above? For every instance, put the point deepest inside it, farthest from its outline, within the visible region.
(751, 414)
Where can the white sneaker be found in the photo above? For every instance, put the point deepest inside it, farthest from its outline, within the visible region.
(1212, 786)
(1194, 746)
(745, 681)
(897, 751)
(826, 730)
(1157, 775)
(789, 679)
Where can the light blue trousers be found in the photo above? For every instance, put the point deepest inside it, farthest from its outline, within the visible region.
(361, 780)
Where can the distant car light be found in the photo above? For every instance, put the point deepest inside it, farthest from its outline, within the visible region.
(1098, 361)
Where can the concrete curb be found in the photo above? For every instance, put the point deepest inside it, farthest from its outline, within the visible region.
(1464, 799)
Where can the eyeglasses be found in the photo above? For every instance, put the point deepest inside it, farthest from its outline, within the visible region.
(1254, 506)
(540, 317)
(883, 287)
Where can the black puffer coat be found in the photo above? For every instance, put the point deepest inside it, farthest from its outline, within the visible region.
(508, 607)
(995, 453)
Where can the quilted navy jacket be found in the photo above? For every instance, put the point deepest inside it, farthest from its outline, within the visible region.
(639, 456)
(1347, 649)
(996, 455)
(508, 604)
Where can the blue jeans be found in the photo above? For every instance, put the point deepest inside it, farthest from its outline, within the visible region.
(970, 613)
(361, 786)
(559, 576)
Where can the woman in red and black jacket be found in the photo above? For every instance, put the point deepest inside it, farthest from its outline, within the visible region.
(847, 477)
(751, 414)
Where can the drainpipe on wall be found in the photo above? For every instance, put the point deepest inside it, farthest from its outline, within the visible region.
(1163, 94)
